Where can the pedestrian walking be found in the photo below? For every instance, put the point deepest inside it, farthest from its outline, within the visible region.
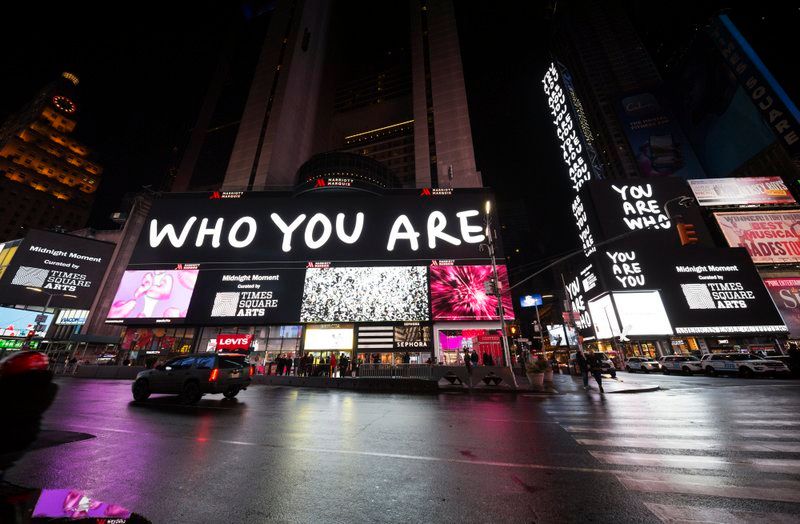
(474, 357)
(596, 367)
(468, 364)
(583, 366)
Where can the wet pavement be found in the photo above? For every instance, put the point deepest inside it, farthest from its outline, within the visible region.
(701, 449)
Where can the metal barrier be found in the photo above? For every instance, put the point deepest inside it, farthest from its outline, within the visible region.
(423, 371)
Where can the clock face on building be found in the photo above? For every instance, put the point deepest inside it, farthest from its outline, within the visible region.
(64, 104)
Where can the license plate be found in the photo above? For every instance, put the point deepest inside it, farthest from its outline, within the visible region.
(235, 374)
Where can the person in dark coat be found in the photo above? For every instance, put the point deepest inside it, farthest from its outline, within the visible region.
(583, 366)
(474, 357)
(596, 367)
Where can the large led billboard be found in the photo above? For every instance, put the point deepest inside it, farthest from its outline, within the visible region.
(624, 206)
(276, 227)
(56, 264)
(364, 294)
(247, 297)
(741, 191)
(771, 237)
(459, 293)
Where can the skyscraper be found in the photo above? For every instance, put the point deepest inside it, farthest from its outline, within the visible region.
(597, 44)
(48, 179)
(383, 80)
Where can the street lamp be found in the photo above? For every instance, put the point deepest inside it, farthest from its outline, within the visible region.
(501, 311)
(49, 295)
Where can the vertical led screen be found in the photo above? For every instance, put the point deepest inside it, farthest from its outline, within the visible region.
(459, 293)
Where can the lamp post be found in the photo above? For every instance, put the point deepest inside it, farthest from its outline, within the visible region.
(501, 311)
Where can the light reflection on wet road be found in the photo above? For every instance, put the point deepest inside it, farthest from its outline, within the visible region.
(299, 455)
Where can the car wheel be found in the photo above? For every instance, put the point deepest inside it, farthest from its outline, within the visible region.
(231, 392)
(686, 371)
(746, 372)
(666, 371)
(710, 371)
(141, 390)
(191, 393)
(646, 371)
(628, 369)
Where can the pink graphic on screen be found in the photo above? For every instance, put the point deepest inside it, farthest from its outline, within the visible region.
(154, 294)
(458, 293)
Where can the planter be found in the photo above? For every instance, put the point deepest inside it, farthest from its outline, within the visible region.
(548, 375)
(536, 380)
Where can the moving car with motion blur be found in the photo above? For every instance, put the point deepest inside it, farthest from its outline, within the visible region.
(643, 364)
(191, 377)
(681, 364)
(744, 364)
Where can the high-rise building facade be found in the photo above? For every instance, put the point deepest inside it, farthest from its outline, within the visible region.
(48, 179)
(597, 44)
(382, 80)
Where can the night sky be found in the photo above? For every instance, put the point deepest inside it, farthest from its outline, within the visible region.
(144, 74)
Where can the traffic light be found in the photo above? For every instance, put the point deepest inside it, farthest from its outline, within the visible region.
(687, 234)
(513, 330)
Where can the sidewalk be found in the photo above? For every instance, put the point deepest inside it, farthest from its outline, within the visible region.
(624, 384)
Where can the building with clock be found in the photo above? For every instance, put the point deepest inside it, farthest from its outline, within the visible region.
(48, 180)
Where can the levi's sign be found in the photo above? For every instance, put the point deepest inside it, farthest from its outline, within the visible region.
(280, 227)
(233, 342)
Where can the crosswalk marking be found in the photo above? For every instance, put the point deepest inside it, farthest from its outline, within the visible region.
(703, 462)
(686, 432)
(694, 515)
(776, 490)
(625, 442)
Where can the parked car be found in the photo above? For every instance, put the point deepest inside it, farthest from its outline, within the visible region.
(194, 376)
(745, 364)
(681, 364)
(643, 364)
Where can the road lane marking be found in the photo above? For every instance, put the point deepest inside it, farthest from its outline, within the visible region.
(696, 515)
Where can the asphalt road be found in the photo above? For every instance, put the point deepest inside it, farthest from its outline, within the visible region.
(704, 449)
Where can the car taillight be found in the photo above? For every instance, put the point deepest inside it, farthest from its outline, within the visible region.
(252, 370)
(214, 374)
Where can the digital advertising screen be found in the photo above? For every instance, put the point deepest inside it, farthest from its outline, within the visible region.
(57, 264)
(272, 227)
(765, 190)
(459, 293)
(623, 206)
(771, 237)
(247, 297)
(561, 335)
(146, 295)
(365, 294)
(18, 322)
(703, 290)
(329, 337)
(785, 293)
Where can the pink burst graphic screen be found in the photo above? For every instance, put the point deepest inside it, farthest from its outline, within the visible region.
(458, 293)
(154, 294)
